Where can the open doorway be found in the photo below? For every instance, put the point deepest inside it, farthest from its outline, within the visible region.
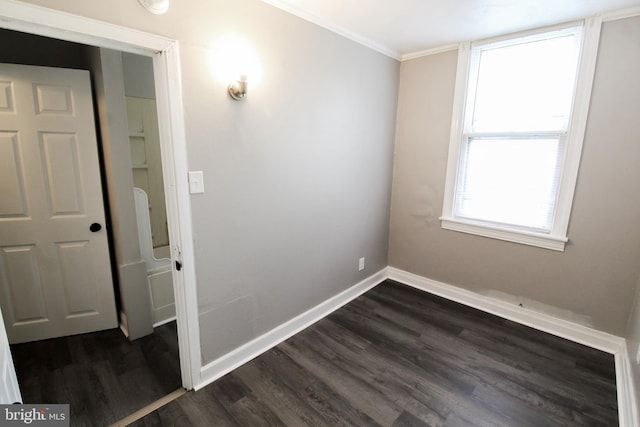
(46, 22)
(99, 372)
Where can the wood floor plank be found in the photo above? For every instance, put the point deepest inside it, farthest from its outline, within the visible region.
(397, 342)
(336, 410)
(102, 376)
(250, 411)
(379, 407)
(291, 409)
(396, 356)
(203, 414)
(382, 374)
(406, 419)
(208, 404)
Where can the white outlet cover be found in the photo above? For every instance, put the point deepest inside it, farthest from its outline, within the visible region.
(638, 355)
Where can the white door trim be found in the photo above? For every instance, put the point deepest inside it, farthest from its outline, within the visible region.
(166, 63)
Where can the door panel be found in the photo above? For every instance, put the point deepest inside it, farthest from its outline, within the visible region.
(62, 172)
(75, 266)
(53, 99)
(13, 202)
(55, 274)
(6, 96)
(20, 279)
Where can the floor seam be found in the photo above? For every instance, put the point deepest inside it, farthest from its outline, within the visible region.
(149, 408)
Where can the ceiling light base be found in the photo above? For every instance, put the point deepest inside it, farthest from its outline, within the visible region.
(157, 7)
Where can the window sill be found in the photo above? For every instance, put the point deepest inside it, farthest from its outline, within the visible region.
(523, 237)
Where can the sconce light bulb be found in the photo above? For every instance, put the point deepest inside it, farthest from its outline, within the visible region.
(238, 89)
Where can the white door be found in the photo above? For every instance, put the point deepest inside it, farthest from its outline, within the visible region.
(55, 274)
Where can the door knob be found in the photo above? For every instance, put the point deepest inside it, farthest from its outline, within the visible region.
(95, 227)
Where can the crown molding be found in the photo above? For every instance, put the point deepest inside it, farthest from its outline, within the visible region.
(331, 26)
(621, 14)
(431, 51)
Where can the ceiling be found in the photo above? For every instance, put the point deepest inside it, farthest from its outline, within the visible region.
(406, 28)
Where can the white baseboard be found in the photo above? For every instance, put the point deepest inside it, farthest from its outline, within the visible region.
(164, 322)
(230, 361)
(627, 403)
(541, 321)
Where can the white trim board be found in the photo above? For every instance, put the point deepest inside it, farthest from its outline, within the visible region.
(543, 322)
(164, 322)
(254, 348)
(60, 25)
(41, 21)
(628, 411)
(606, 17)
(627, 403)
(428, 52)
(621, 14)
(333, 27)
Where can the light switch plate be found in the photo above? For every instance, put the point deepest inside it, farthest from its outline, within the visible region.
(196, 182)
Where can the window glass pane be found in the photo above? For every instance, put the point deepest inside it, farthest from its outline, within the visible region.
(526, 87)
(510, 181)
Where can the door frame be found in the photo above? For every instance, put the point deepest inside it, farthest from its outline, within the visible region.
(55, 24)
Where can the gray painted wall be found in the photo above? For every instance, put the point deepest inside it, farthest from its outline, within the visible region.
(594, 280)
(138, 76)
(297, 176)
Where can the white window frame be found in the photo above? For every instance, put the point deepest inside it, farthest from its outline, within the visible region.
(557, 237)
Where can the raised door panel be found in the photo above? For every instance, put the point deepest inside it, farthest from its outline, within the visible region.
(53, 99)
(75, 263)
(62, 171)
(13, 203)
(22, 286)
(7, 97)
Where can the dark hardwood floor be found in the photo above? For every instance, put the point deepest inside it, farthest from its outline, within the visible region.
(103, 376)
(400, 357)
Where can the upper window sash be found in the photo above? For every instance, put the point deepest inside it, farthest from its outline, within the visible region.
(573, 134)
(567, 39)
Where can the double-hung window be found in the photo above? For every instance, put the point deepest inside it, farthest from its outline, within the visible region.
(517, 129)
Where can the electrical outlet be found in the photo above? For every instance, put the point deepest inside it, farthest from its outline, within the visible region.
(638, 355)
(361, 264)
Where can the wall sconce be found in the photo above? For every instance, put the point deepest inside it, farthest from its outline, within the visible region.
(232, 61)
(238, 89)
(157, 7)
